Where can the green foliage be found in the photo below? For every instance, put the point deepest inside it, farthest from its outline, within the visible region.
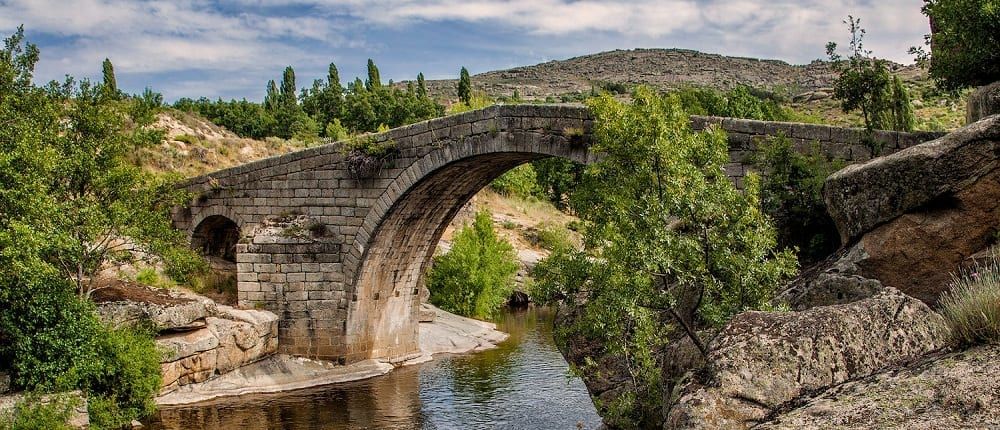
(972, 305)
(68, 196)
(557, 178)
(520, 181)
(964, 42)
(670, 242)
(374, 78)
(740, 102)
(476, 276)
(35, 413)
(242, 117)
(110, 83)
(792, 195)
(478, 100)
(123, 380)
(464, 87)
(552, 237)
(865, 84)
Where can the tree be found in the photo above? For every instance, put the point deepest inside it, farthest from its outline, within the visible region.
(672, 246)
(288, 91)
(464, 86)
(374, 79)
(110, 83)
(421, 86)
(964, 42)
(864, 82)
(476, 276)
(903, 117)
(69, 200)
(271, 97)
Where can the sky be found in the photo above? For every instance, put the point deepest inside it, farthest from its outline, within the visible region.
(230, 48)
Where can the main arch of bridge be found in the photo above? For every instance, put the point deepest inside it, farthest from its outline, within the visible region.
(340, 258)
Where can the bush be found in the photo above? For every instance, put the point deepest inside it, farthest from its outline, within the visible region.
(476, 276)
(33, 413)
(122, 382)
(552, 237)
(521, 181)
(792, 196)
(972, 305)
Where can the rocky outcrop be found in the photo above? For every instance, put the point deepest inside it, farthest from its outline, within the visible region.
(836, 280)
(762, 360)
(957, 390)
(131, 304)
(983, 102)
(231, 339)
(917, 215)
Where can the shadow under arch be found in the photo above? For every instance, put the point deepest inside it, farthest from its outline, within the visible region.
(406, 223)
(216, 236)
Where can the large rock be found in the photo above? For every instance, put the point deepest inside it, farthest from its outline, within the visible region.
(165, 310)
(863, 196)
(957, 390)
(762, 360)
(834, 281)
(231, 339)
(983, 102)
(919, 214)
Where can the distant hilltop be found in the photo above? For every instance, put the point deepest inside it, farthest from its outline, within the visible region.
(660, 68)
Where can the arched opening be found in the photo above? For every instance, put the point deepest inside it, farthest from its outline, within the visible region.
(386, 304)
(216, 236)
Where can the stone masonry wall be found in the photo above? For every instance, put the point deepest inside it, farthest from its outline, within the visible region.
(343, 280)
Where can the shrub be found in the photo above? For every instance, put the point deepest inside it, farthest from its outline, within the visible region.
(792, 196)
(476, 276)
(122, 382)
(33, 413)
(972, 305)
(521, 181)
(552, 237)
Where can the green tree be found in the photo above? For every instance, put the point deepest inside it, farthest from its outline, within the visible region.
(271, 97)
(67, 197)
(110, 82)
(421, 86)
(374, 79)
(464, 86)
(903, 118)
(476, 276)
(287, 95)
(863, 82)
(671, 244)
(964, 42)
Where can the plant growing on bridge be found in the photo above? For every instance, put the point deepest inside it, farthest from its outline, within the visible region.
(366, 155)
(672, 246)
(476, 276)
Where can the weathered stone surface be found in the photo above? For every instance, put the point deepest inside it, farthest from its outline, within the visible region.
(233, 339)
(863, 196)
(983, 102)
(164, 309)
(761, 360)
(346, 279)
(960, 390)
(836, 280)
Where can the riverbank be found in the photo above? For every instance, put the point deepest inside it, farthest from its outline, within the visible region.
(445, 333)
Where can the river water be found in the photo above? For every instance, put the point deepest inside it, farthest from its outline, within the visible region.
(522, 384)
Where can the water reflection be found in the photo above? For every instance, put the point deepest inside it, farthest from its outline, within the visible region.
(522, 384)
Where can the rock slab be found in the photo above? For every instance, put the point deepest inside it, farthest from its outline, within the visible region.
(762, 360)
(960, 390)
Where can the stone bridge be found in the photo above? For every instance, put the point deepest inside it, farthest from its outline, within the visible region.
(340, 259)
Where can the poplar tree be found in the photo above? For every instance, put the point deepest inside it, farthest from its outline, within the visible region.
(110, 82)
(374, 80)
(464, 86)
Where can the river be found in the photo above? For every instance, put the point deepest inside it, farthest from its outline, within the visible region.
(522, 384)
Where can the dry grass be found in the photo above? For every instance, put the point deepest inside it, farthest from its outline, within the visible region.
(972, 305)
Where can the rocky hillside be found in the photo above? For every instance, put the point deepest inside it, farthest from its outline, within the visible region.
(661, 68)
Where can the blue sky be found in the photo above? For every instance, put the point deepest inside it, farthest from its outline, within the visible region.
(230, 48)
